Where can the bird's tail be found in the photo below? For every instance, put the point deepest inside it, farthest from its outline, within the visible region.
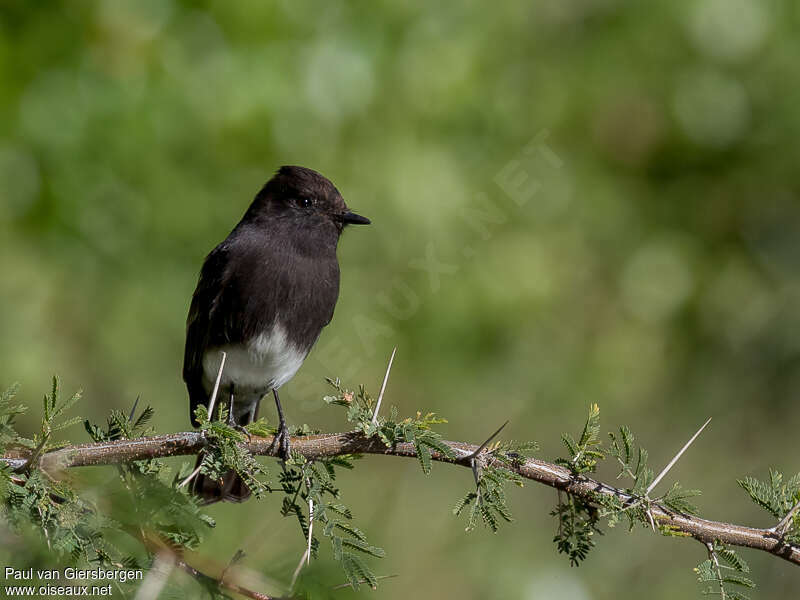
(229, 488)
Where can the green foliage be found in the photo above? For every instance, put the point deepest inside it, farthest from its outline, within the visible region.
(633, 463)
(513, 454)
(72, 528)
(577, 524)
(260, 427)
(585, 453)
(724, 571)
(150, 500)
(392, 431)
(310, 495)
(53, 407)
(120, 427)
(777, 496)
(489, 500)
(152, 506)
(578, 518)
(224, 452)
(8, 414)
(677, 499)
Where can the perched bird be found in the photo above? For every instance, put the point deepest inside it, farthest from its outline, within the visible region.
(263, 297)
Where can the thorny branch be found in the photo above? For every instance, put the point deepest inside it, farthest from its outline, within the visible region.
(315, 447)
(170, 557)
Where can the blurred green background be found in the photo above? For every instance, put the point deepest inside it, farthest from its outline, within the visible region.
(608, 191)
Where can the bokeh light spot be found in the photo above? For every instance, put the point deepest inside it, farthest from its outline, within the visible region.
(19, 180)
(339, 80)
(712, 109)
(729, 30)
(657, 280)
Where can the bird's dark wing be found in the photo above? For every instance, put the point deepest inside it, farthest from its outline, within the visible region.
(207, 325)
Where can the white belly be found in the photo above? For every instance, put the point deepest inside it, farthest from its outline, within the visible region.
(266, 362)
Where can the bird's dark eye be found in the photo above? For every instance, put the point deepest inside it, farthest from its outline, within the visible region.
(306, 202)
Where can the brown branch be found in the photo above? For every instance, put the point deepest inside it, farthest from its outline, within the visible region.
(223, 583)
(175, 555)
(334, 444)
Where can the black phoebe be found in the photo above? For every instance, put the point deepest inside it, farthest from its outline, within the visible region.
(263, 297)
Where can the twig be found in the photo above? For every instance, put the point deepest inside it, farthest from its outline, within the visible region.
(650, 518)
(342, 586)
(383, 388)
(157, 576)
(238, 555)
(297, 572)
(133, 409)
(306, 558)
(712, 555)
(228, 585)
(158, 547)
(560, 526)
(46, 534)
(786, 521)
(310, 528)
(315, 447)
(476, 466)
(191, 476)
(675, 458)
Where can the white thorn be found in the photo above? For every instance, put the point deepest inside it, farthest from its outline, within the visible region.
(189, 478)
(489, 439)
(383, 388)
(210, 412)
(216, 387)
(306, 558)
(675, 458)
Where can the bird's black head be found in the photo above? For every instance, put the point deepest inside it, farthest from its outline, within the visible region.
(305, 197)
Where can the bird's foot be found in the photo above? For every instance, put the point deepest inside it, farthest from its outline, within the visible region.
(282, 439)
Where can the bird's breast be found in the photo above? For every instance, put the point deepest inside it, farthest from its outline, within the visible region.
(265, 361)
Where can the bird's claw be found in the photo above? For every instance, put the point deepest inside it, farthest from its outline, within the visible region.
(283, 442)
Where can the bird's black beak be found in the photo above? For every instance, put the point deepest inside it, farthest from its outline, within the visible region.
(351, 218)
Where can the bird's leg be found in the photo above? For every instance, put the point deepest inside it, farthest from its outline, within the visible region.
(283, 430)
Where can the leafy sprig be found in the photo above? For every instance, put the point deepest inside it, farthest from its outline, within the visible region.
(53, 407)
(577, 525)
(778, 496)
(417, 430)
(586, 452)
(725, 571)
(8, 414)
(311, 496)
(225, 452)
(488, 501)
